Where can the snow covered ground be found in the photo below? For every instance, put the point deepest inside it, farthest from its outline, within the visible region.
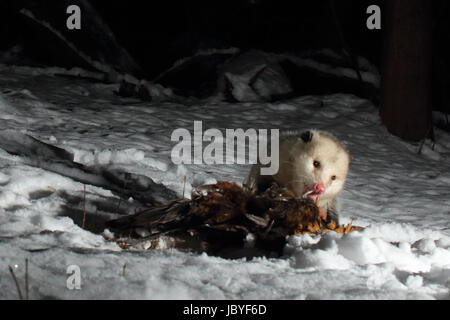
(401, 197)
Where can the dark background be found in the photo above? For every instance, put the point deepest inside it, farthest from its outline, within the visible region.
(152, 35)
(169, 30)
(157, 33)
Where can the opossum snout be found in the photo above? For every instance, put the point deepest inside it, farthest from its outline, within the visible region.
(319, 188)
(316, 190)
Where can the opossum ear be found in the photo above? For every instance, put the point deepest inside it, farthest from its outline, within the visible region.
(307, 136)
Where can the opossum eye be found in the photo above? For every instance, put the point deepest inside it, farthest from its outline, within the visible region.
(316, 164)
(333, 178)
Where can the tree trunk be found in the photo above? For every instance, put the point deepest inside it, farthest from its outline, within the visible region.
(406, 72)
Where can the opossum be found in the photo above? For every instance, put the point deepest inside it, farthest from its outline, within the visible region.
(312, 164)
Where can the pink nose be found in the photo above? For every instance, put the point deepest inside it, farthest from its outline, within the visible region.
(319, 188)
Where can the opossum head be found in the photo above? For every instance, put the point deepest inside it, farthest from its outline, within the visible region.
(320, 165)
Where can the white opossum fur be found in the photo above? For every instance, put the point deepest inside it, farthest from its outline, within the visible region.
(312, 164)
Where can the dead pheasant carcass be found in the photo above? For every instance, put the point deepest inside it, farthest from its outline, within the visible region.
(223, 217)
